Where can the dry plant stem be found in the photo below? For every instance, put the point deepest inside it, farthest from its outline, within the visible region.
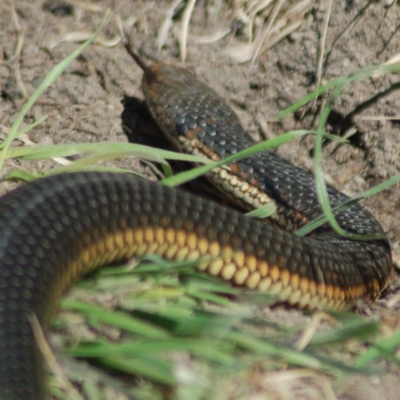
(267, 32)
(120, 25)
(20, 42)
(347, 28)
(166, 26)
(281, 23)
(323, 43)
(332, 146)
(308, 333)
(286, 382)
(88, 6)
(50, 359)
(185, 28)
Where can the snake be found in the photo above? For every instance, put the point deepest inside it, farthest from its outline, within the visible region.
(57, 229)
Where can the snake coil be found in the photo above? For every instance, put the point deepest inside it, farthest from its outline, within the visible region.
(57, 229)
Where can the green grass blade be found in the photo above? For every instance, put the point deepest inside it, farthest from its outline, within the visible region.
(264, 212)
(365, 73)
(156, 368)
(255, 149)
(49, 79)
(118, 319)
(103, 148)
(31, 126)
(370, 192)
(384, 347)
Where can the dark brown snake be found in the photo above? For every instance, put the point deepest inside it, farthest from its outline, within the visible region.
(57, 229)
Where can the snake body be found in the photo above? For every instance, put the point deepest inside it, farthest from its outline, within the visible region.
(57, 229)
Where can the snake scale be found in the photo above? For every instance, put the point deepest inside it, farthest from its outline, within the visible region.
(57, 229)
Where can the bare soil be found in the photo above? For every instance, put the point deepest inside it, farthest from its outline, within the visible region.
(84, 105)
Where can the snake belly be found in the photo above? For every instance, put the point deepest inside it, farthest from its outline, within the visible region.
(60, 228)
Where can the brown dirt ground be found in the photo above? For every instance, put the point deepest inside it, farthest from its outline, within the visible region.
(84, 105)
